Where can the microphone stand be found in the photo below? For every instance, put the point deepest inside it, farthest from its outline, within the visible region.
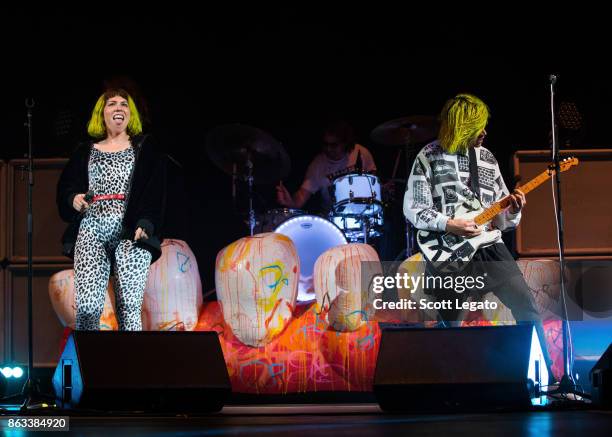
(567, 385)
(31, 388)
(411, 243)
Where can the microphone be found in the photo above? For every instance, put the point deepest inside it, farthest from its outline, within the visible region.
(359, 162)
(552, 78)
(88, 196)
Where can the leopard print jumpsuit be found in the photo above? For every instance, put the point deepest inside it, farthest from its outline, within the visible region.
(99, 247)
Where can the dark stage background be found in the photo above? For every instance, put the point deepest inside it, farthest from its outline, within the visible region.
(287, 70)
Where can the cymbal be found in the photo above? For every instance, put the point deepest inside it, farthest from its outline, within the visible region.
(231, 146)
(406, 131)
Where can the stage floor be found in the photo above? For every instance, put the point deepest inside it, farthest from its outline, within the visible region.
(344, 420)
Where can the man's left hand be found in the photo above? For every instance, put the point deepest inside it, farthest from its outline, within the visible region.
(517, 201)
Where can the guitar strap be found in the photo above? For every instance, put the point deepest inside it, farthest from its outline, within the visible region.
(474, 185)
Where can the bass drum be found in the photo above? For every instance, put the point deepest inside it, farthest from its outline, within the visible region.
(312, 235)
(272, 218)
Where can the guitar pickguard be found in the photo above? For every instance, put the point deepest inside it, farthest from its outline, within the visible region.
(452, 252)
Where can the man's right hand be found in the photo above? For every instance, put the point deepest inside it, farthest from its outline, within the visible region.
(79, 202)
(283, 196)
(463, 227)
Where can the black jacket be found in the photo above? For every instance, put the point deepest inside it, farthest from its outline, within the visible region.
(145, 201)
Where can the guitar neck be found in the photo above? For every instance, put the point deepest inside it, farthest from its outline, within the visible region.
(490, 213)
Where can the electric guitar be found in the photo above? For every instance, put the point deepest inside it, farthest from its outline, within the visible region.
(450, 252)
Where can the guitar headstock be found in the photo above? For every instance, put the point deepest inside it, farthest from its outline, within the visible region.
(565, 164)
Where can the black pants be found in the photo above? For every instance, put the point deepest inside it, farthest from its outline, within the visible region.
(505, 280)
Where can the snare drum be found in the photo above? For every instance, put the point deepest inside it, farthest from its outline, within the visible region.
(357, 194)
(312, 235)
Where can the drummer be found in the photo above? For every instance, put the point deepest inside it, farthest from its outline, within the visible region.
(340, 155)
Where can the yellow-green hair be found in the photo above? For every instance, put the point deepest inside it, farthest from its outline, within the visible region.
(96, 127)
(463, 118)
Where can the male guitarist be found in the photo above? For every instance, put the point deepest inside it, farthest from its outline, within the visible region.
(455, 171)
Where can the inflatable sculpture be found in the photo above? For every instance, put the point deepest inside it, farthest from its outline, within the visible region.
(61, 293)
(256, 280)
(173, 294)
(344, 302)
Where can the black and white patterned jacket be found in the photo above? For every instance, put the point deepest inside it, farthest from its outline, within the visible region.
(440, 182)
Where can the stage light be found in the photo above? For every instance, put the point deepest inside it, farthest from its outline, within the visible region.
(538, 370)
(17, 372)
(11, 372)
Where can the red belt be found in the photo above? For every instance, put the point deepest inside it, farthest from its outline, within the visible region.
(108, 197)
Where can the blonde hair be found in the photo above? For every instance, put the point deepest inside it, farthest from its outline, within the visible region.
(96, 127)
(463, 119)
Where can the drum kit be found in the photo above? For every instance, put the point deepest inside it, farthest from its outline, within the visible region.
(251, 155)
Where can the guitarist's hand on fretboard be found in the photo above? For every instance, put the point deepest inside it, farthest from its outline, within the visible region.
(517, 201)
(463, 227)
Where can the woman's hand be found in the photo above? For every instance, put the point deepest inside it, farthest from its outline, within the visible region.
(140, 234)
(79, 202)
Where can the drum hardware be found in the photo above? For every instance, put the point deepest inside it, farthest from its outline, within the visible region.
(357, 207)
(250, 154)
(358, 228)
(366, 229)
(249, 165)
(406, 133)
(272, 218)
(352, 169)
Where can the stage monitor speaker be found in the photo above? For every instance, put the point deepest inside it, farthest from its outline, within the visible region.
(460, 368)
(601, 380)
(181, 372)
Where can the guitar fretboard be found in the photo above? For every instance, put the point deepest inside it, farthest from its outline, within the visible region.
(489, 214)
